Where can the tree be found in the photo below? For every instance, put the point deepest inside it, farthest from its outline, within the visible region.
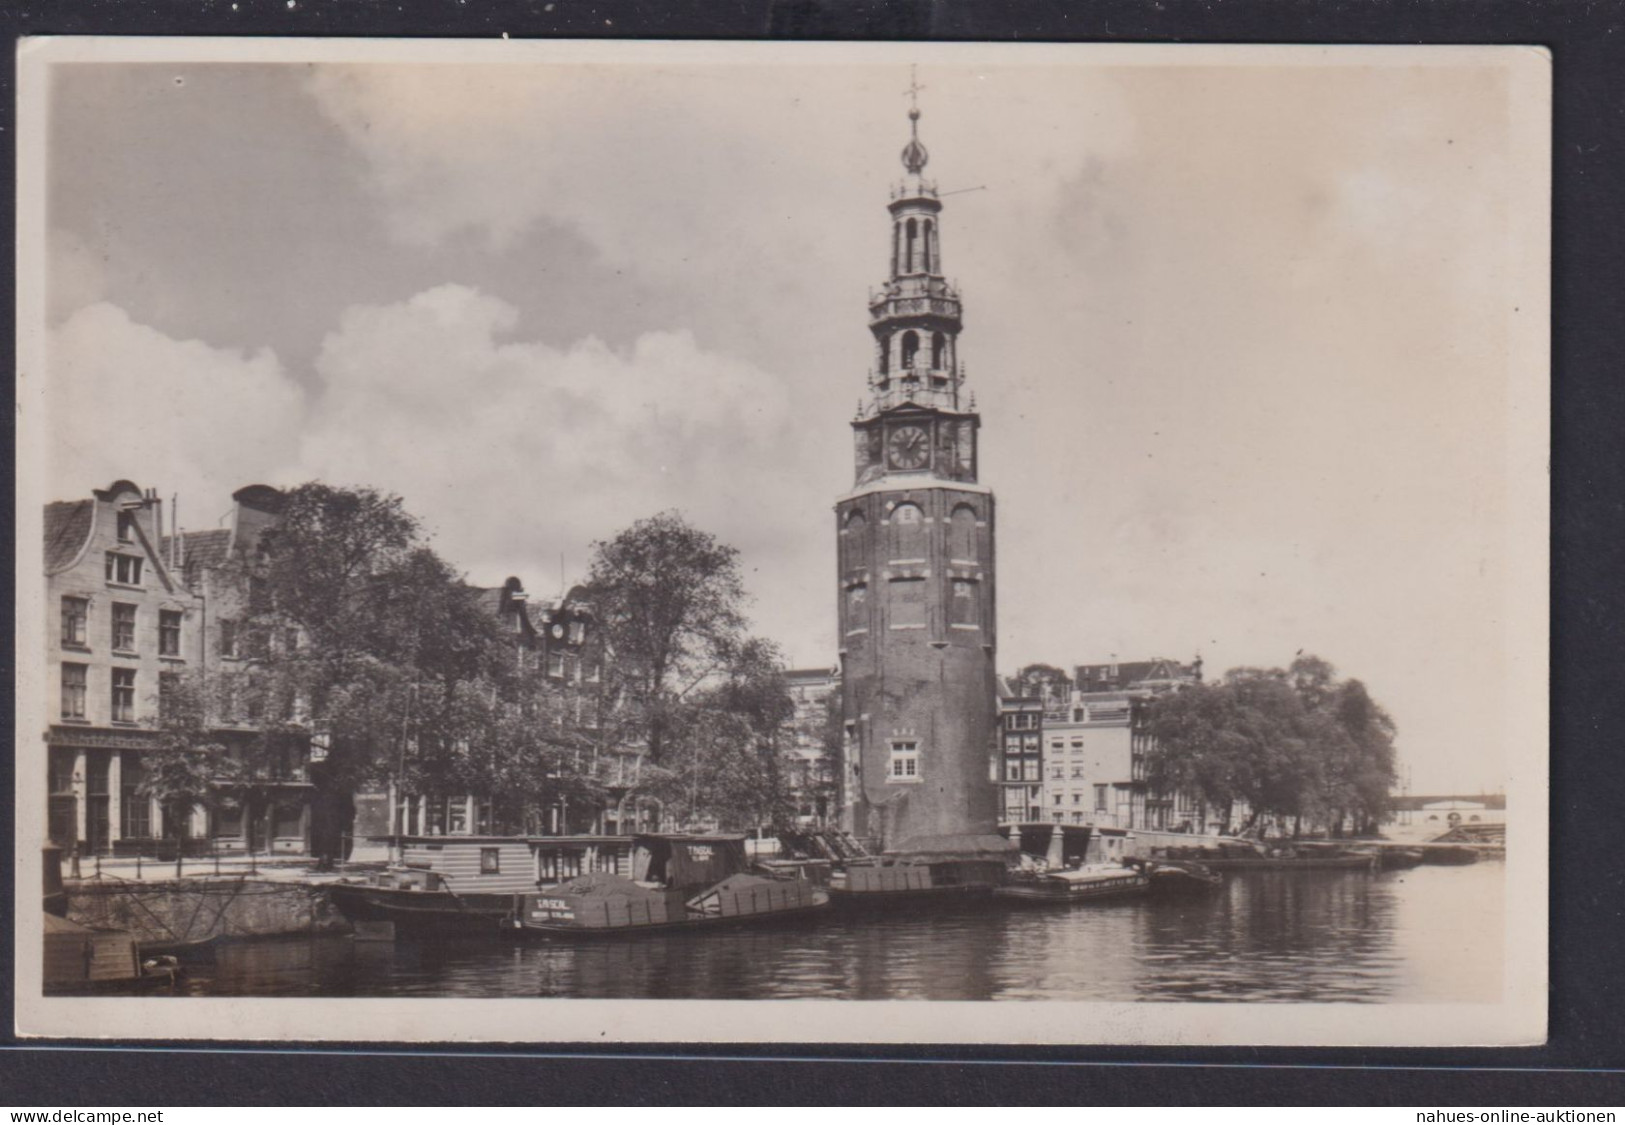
(1293, 743)
(366, 638)
(1043, 681)
(181, 772)
(725, 761)
(669, 599)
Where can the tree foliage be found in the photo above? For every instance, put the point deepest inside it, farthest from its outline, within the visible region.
(669, 599)
(1294, 743)
(707, 701)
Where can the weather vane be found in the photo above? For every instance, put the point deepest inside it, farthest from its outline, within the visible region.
(914, 89)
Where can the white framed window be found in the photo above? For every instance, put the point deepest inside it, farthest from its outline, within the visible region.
(123, 627)
(75, 616)
(124, 695)
(74, 678)
(903, 764)
(125, 570)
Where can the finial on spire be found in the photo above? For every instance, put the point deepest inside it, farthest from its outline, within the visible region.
(914, 154)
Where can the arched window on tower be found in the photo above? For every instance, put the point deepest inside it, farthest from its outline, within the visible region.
(885, 355)
(911, 348)
(962, 534)
(908, 533)
(854, 542)
(912, 235)
(939, 350)
(896, 249)
(926, 249)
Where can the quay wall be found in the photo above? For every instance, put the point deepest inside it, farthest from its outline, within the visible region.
(198, 909)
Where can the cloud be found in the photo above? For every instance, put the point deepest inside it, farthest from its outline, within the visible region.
(126, 399)
(514, 451)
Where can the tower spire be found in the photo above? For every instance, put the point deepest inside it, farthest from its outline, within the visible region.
(914, 153)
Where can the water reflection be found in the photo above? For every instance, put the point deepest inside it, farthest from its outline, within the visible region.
(1432, 934)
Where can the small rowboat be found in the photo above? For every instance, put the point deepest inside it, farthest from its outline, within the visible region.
(1096, 883)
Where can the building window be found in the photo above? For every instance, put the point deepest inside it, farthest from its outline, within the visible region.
(904, 764)
(124, 695)
(1058, 800)
(290, 641)
(908, 603)
(169, 632)
(73, 691)
(1030, 772)
(289, 821)
(962, 534)
(1100, 798)
(126, 527)
(908, 530)
(490, 861)
(555, 664)
(123, 569)
(135, 809)
(123, 627)
(75, 614)
(857, 598)
(256, 643)
(168, 685)
(962, 606)
(1077, 798)
(228, 637)
(1012, 771)
(1077, 771)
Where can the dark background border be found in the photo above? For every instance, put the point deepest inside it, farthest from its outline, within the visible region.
(1580, 1065)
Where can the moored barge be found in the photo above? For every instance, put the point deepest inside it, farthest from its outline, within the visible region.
(936, 869)
(677, 882)
(1092, 883)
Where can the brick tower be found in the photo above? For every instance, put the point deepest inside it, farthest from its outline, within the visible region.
(917, 622)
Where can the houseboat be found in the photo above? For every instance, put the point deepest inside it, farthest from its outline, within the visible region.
(942, 869)
(676, 882)
(470, 883)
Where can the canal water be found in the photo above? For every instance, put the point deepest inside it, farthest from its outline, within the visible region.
(1428, 935)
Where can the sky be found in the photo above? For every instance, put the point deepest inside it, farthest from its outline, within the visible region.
(1238, 334)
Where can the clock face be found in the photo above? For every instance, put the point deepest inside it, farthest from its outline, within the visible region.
(910, 447)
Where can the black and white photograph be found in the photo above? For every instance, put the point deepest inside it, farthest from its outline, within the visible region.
(633, 541)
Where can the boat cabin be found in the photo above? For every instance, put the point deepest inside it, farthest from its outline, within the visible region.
(502, 864)
(684, 862)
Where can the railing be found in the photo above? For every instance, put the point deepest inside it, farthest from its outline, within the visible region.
(883, 307)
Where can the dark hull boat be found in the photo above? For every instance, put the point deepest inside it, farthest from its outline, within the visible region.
(1182, 880)
(1095, 883)
(1295, 863)
(420, 905)
(679, 883)
(1452, 855)
(943, 871)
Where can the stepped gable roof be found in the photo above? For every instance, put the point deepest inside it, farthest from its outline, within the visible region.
(67, 527)
(200, 548)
